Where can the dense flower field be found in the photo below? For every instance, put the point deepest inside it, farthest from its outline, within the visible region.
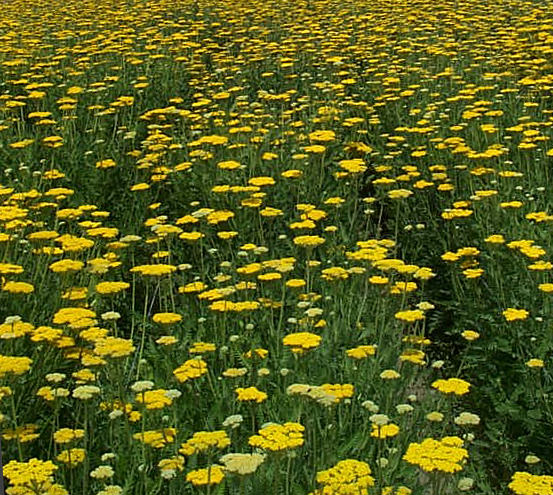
(282, 247)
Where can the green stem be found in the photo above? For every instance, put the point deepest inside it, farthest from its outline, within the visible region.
(14, 419)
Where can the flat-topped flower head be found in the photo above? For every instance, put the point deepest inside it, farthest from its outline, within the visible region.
(33, 473)
(250, 394)
(308, 241)
(193, 368)
(301, 342)
(523, 483)
(166, 318)
(513, 314)
(213, 475)
(452, 386)
(445, 455)
(14, 365)
(203, 441)
(410, 316)
(275, 437)
(157, 270)
(347, 476)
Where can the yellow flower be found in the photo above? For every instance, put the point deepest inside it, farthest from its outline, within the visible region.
(154, 270)
(445, 455)
(166, 318)
(21, 144)
(452, 386)
(235, 372)
(309, 241)
(24, 433)
(399, 193)
(213, 475)
(193, 368)
(295, 283)
(113, 347)
(261, 181)
(140, 187)
(72, 457)
(109, 163)
(353, 166)
(470, 335)
(314, 148)
(35, 473)
(292, 174)
(361, 352)
(203, 441)
(531, 484)
(202, 347)
(75, 317)
(275, 437)
(473, 272)
(154, 399)
(338, 391)
(65, 266)
(191, 236)
(260, 353)
(322, 136)
(14, 365)
(512, 314)
(384, 431)
(389, 375)
(349, 476)
(167, 340)
(18, 287)
(410, 315)
(157, 438)
(192, 287)
(301, 342)
(250, 394)
(105, 288)
(67, 435)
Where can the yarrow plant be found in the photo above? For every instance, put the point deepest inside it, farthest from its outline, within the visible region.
(275, 247)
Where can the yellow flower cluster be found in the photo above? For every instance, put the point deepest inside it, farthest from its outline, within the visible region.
(12, 365)
(157, 438)
(250, 394)
(308, 241)
(361, 351)
(346, 477)
(275, 437)
(67, 435)
(513, 314)
(154, 270)
(452, 386)
(234, 307)
(193, 368)
(33, 476)
(301, 342)
(166, 318)
(203, 441)
(384, 431)
(154, 399)
(72, 457)
(113, 347)
(446, 455)
(213, 475)
(106, 288)
(523, 483)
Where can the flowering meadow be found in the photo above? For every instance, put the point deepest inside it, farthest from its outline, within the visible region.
(293, 247)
